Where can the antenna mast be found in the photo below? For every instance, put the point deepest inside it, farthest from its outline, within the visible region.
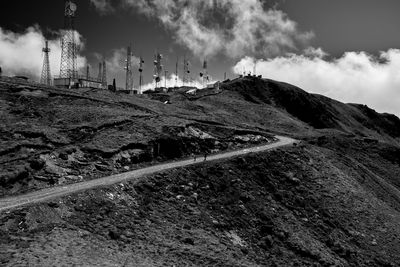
(176, 71)
(141, 64)
(68, 68)
(157, 69)
(128, 68)
(46, 75)
(186, 71)
(204, 74)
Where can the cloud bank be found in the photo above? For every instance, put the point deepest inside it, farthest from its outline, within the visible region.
(21, 53)
(356, 77)
(232, 27)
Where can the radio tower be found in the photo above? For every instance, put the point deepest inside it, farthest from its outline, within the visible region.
(128, 68)
(68, 67)
(158, 68)
(46, 75)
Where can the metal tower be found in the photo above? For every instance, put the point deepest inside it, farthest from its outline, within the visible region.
(158, 68)
(141, 65)
(186, 71)
(46, 75)
(204, 73)
(104, 76)
(68, 67)
(128, 68)
(176, 72)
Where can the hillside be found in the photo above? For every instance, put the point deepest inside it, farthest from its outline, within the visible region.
(333, 200)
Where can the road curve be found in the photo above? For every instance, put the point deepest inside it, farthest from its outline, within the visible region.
(59, 191)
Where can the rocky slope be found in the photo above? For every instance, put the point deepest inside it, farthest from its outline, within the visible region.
(333, 200)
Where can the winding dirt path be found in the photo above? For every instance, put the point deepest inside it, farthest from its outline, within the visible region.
(59, 191)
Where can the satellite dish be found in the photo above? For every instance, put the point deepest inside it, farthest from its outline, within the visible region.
(72, 7)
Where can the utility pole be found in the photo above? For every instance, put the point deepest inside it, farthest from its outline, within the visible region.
(46, 74)
(68, 67)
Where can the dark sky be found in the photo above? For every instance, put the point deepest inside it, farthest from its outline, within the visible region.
(339, 26)
(348, 25)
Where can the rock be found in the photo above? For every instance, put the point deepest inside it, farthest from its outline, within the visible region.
(37, 164)
(113, 234)
(188, 240)
(266, 242)
(53, 204)
(266, 229)
(63, 155)
(126, 168)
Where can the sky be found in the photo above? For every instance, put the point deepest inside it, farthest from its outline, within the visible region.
(344, 49)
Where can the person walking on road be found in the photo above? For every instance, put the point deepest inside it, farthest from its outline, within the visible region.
(205, 156)
(194, 157)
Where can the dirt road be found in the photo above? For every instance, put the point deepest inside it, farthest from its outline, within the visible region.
(55, 192)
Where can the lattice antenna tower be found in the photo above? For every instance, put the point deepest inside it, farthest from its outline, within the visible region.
(158, 68)
(141, 67)
(128, 69)
(46, 74)
(104, 76)
(68, 67)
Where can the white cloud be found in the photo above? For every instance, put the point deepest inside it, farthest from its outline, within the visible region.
(233, 27)
(103, 6)
(356, 77)
(21, 53)
(173, 80)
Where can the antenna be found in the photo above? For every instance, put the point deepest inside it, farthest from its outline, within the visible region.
(158, 67)
(46, 75)
(87, 72)
(176, 71)
(128, 68)
(204, 73)
(186, 70)
(141, 64)
(68, 67)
